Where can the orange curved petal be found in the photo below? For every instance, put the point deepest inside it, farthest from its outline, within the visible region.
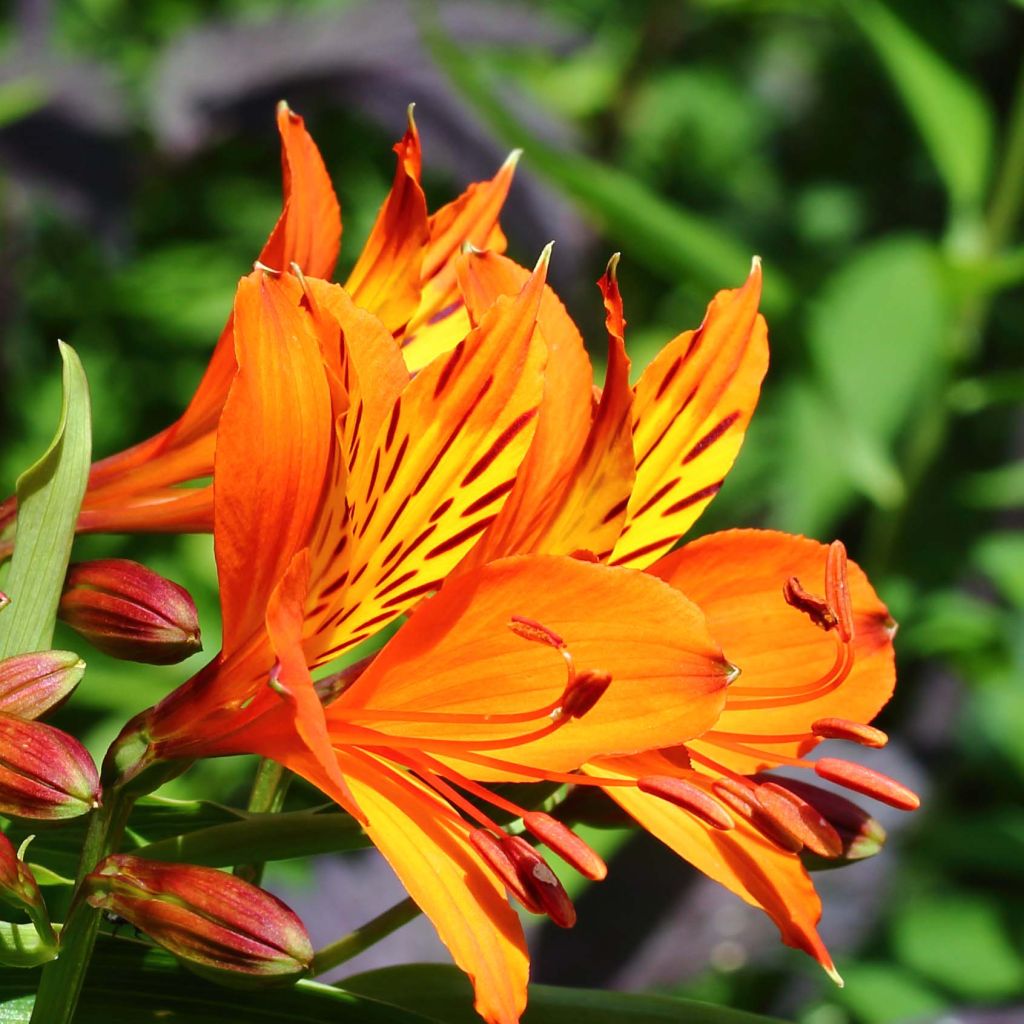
(591, 510)
(308, 232)
(736, 577)
(441, 321)
(692, 407)
(386, 278)
(434, 477)
(457, 654)
(562, 422)
(273, 446)
(740, 859)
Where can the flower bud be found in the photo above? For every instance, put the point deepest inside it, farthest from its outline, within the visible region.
(130, 612)
(32, 684)
(216, 923)
(18, 886)
(44, 773)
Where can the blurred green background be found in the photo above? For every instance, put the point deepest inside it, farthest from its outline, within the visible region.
(872, 154)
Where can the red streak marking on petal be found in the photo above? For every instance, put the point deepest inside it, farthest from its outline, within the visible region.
(691, 499)
(711, 437)
(500, 444)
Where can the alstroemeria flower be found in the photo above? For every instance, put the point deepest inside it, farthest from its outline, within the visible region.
(345, 492)
(619, 481)
(404, 276)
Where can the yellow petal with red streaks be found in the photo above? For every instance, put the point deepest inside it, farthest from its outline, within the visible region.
(441, 321)
(458, 654)
(562, 422)
(435, 476)
(386, 277)
(736, 577)
(592, 508)
(427, 845)
(740, 859)
(273, 446)
(692, 407)
(309, 230)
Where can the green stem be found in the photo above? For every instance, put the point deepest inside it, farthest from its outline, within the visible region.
(60, 984)
(267, 797)
(365, 936)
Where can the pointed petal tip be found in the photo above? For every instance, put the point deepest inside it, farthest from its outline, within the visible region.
(837, 978)
(409, 112)
(258, 265)
(755, 265)
(512, 160)
(469, 249)
(283, 108)
(545, 258)
(612, 270)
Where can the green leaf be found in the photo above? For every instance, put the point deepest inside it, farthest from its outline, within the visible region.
(444, 994)
(877, 336)
(961, 943)
(887, 994)
(996, 488)
(672, 242)
(49, 496)
(1001, 557)
(955, 120)
(130, 983)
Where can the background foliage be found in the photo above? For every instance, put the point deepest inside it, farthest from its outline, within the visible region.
(872, 154)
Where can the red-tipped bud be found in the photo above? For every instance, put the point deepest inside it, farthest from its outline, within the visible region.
(562, 840)
(869, 782)
(44, 773)
(130, 612)
(539, 881)
(584, 692)
(212, 920)
(493, 852)
(854, 732)
(32, 684)
(802, 821)
(689, 797)
(861, 835)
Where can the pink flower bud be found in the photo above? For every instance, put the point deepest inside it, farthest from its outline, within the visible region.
(32, 684)
(18, 886)
(130, 612)
(44, 773)
(211, 920)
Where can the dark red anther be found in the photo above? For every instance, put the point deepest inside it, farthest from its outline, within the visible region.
(689, 797)
(854, 732)
(800, 819)
(562, 840)
(815, 608)
(867, 781)
(584, 692)
(539, 881)
(493, 852)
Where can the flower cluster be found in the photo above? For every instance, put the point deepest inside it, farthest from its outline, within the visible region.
(425, 444)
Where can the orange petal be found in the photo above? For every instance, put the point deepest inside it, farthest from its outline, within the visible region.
(590, 512)
(386, 278)
(435, 476)
(563, 419)
(308, 232)
(740, 859)
(736, 577)
(273, 447)
(429, 850)
(441, 321)
(692, 407)
(458, 654)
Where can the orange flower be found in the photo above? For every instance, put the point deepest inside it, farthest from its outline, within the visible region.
(620, 481)
(404, 276)
(341, 499)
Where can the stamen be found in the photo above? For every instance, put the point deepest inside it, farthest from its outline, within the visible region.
(584, 692)
(816, 608)
(539, 881)
(762, 697)
(689, 797)
(867, 781)
(741, 798)
(800, 819)
(493, 852)
(837, 590)
(844, 729)
(562, 840)
(535, 632)
(274, 681)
